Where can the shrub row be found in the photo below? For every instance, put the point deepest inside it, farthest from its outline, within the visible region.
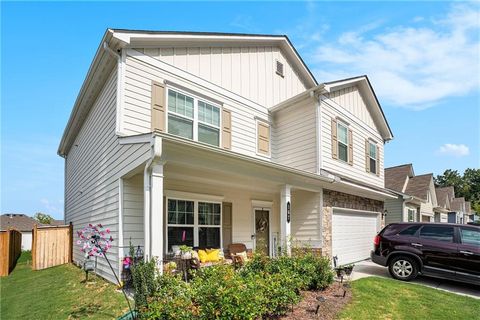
(263, 287)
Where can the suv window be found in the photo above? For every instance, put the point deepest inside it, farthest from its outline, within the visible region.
(409, 231)
(437, 233)
(470, 236)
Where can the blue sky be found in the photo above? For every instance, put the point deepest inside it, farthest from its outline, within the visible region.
(422, 59)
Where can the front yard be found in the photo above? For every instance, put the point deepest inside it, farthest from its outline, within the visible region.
(58, 293)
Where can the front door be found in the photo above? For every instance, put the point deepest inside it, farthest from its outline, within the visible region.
(262, 231)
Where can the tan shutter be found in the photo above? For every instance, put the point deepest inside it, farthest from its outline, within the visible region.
(367, 155)
(378, 161)
(350, 147)
(334, 139)
(158, 106)
(226, 129)
(263, 139)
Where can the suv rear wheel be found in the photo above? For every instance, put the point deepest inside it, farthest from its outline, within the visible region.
(403, 268)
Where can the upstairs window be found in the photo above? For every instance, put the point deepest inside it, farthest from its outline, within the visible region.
(192, 118)
(373, 157)
(342, 132)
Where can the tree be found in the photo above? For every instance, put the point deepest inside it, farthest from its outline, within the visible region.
(43, 218)
(466, 185)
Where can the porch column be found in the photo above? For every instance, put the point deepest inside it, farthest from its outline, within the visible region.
(156, 225)
(285, 219)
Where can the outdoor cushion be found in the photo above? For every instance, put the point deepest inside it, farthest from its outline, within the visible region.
(202, 255)
(213, 255)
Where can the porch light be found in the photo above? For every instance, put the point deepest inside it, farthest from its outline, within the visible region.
(384, 214)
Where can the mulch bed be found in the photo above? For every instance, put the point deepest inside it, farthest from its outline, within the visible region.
(333, 304)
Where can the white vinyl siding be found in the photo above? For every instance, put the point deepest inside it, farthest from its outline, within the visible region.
(307, 220)
(394, 209)
(294, 137)
(137, 105)
(247, 71)
(361, 132)
(133, 200)
(94, 165)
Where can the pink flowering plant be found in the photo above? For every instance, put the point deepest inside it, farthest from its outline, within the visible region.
(94, 240)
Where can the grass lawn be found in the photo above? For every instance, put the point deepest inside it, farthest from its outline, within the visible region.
(57, 293)
(378, 298)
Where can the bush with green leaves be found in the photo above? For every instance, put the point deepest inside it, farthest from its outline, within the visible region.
(144, 280)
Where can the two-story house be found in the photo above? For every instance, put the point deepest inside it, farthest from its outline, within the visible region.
(416, 198)
(208, 139)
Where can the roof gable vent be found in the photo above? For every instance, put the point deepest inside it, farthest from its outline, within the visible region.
(279, 68)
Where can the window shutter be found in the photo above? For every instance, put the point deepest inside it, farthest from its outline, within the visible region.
(367, 157)
(378, 161)
(350, 147)
(158, 107)
(226, 129)
(263, 138)
(334, 139)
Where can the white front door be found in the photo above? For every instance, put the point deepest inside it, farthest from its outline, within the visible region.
(352, 234)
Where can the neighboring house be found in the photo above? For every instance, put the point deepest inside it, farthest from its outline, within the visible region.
(469, 214)
(457, 210)
(208, 139)
(22, 223)
(443, 203)
(416, 196)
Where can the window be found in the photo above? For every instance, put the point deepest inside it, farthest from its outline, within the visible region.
(192, 118)
(373, 157)
(411, 215)
(470, 236)
(193, 223)
(437, 233)
(342, 132)
(409, 231)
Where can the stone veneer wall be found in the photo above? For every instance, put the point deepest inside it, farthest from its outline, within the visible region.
(342, 200)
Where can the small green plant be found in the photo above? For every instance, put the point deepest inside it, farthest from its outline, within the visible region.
(185, 249)
(144, 283)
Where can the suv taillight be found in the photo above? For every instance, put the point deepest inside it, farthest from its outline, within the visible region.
(376, 240)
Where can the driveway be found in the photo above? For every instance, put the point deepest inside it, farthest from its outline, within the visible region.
(367, 269)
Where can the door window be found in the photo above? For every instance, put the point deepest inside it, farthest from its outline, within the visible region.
(470, 236)
(437, 233)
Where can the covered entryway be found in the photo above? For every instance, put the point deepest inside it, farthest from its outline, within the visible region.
(352, 234)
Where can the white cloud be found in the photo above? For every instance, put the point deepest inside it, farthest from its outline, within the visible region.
(413, 67)
(456, 150)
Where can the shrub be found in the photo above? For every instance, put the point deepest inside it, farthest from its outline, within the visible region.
(144, 274)
(172, 300)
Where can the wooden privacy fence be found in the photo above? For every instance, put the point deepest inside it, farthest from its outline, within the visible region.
(52, 246)
(10, 250)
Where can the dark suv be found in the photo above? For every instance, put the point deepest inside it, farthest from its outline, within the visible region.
(443, 250)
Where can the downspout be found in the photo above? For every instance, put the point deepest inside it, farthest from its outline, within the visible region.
(155, 158)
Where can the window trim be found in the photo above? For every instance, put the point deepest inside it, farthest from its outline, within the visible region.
(195, 120)
(346, 126)
(196, 226)
(414, 212)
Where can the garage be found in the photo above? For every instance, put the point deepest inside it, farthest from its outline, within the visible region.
(352, 234)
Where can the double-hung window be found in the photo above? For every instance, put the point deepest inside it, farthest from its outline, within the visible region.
(342, 132)
(411, 215)
(193, 223)
(193, 118)
(373, 157)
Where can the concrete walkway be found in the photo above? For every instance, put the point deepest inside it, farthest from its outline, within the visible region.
(368, 268)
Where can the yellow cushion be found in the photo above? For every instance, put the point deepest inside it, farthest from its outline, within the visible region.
(213, 255)
(202, 255)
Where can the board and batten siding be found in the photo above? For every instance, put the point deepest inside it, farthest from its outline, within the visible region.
(329, 110)
(395, 210)
(247, 71)
(136, 111)
(306, 226)
(294, 139)
(94, 165)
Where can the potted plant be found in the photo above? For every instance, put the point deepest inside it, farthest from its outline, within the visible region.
(186, 252)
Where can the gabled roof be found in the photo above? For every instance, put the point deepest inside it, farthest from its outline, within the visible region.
(395, 176)
(449, 192)
(468, 207)
(443, 198)
(418, 186)
(457, 204)
(116, 39)
(365, 87)
(18, 221)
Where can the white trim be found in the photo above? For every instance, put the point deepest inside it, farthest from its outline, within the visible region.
(140, 138)
(262, 203)
(342, 123)
(318, 136)
(354, 210)
(368, 189)
(270, 238)
(120, 93)
(192, 196)
(120, 224)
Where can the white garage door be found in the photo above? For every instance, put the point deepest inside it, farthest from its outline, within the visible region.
(352, 235)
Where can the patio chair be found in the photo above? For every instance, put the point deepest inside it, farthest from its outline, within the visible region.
(235, 250)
